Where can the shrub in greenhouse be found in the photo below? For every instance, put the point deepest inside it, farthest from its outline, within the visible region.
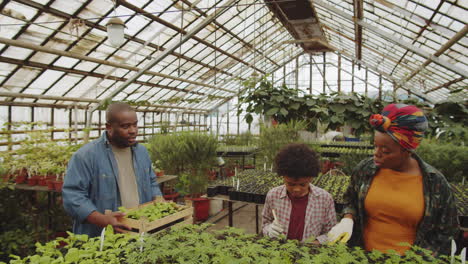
(450, 159)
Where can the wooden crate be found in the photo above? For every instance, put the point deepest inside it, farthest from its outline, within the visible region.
(144, 225)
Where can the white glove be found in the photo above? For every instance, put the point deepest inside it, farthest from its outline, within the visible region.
(275, 229)
(341, 232)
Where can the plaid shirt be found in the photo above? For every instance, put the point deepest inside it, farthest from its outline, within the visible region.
(319, 219)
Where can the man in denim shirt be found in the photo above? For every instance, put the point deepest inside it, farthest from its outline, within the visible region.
(109, 172)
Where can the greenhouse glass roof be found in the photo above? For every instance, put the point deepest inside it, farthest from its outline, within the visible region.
(192, 54)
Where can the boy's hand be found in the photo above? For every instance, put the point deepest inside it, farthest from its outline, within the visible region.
(342, 231)
(275, 229)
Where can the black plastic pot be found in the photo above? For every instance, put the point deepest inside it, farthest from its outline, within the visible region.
(259, 198)
(242, 196)
(249, 197)
(233, 195)
(212, 191)
(223, 189)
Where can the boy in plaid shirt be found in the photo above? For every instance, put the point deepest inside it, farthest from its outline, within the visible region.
(298, 209)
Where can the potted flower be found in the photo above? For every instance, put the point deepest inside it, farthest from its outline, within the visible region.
(158, 169)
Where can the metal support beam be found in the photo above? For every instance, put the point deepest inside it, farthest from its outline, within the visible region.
(85, 100)
(445, 85)
(310, 78)
(350, 73)
(167, 52)
(352, 76)
(26, 45)
(460, 34)
(242, 90)
(392, 38)
(359, 15)
(389, 77)
(380, 86)
(209, 18)
(92, 74)
(324, 72)
(339, 73)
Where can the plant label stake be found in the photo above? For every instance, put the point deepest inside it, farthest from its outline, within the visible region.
(463, 256)
(141, 241)
(238, 183)
(452, 254)
(264, 166)
(103, 233)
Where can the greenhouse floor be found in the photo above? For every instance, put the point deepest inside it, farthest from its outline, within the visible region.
(243, 217)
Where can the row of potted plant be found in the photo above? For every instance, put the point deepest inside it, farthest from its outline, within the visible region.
(38, 161)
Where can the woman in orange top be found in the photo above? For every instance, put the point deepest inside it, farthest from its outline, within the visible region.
(395, 199)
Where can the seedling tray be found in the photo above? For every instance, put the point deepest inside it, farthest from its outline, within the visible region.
(184, 216)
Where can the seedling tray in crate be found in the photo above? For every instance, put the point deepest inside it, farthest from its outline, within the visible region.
(184, 216)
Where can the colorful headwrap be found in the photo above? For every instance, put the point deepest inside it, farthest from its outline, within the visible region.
(404, 123)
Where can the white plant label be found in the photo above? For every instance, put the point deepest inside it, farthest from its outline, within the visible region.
(103, 233)
(141, 241)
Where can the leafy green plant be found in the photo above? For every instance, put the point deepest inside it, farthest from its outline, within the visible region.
(153, 212)
(450, 159)
(273, 138)
(188, 154)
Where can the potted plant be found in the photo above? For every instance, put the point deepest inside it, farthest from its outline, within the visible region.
(60, 174)
(158, 169)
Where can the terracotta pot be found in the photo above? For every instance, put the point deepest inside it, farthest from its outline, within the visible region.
(33, 180)
(58, 186)
(160, 173)
(50, 184)
(171, 197)
(20, 179)
(6, 177)
(201, 208)
(42, 181)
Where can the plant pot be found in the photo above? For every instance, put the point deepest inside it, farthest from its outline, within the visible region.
(58, 186)
(259, 198)
(42, 181)
(33, 180)
(242, 196)
(171, 197)
(160, 173)
(201, 208)
(20, 179)
(212, 191)
(6, 177)
(223, 189)
(50, 184)
(250, 197)
(234, 195)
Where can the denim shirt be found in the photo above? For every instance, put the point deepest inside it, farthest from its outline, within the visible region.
(91, 182)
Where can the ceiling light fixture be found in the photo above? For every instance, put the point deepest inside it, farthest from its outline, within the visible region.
(115, 31)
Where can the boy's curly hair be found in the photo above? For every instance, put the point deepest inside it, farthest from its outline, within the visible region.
(297, 160)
